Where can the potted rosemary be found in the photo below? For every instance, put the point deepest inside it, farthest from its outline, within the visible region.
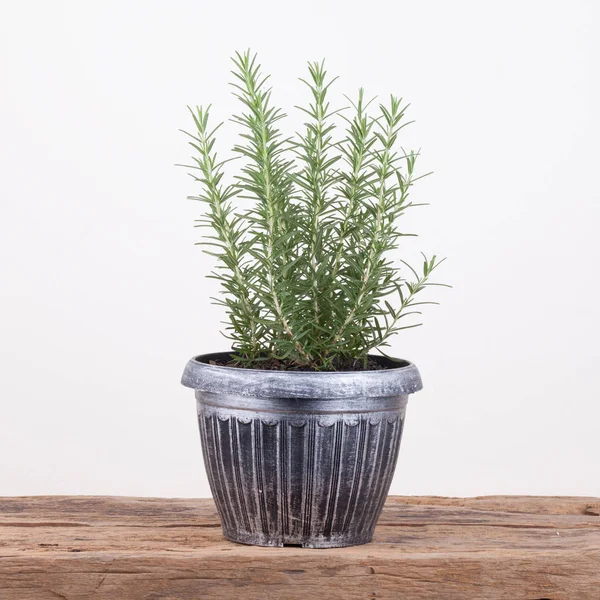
(300, 423)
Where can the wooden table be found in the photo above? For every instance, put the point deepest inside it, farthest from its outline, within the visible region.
(513, 548)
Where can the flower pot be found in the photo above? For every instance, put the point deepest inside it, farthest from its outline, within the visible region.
(300, 458)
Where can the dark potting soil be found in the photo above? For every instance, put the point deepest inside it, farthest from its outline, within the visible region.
(283, 365)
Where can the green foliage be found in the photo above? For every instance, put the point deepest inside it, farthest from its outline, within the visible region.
(308, 272)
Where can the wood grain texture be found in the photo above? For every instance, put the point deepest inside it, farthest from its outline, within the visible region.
(107, 548)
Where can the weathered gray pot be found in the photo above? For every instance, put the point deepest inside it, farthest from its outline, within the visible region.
(300, 458)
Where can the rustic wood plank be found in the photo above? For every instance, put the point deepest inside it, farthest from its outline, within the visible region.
(106, 548)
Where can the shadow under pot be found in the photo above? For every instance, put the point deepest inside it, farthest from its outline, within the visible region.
(298, 458)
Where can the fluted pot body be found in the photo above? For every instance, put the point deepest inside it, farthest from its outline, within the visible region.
(300, 458)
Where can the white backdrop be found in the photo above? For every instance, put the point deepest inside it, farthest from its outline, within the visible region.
(103, 295)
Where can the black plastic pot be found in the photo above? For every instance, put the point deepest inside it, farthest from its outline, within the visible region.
(300, 458)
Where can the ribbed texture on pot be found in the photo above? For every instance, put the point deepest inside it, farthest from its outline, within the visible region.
(300, 472)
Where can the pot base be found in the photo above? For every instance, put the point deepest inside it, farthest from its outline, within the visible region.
(260, 539)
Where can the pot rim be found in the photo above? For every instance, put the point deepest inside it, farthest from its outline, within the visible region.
(262, 383)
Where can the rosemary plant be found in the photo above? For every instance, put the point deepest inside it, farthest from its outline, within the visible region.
(308, 272)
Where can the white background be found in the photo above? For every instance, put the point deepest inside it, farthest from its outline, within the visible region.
(103, 291)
